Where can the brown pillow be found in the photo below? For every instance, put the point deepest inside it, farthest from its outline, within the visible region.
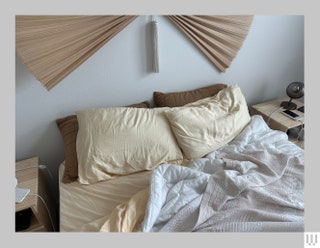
(68, 127)
(177, 99)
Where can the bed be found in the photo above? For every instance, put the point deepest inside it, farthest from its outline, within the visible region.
(196, 162)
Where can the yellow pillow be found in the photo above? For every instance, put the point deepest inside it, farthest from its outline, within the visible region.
(206, 125)
(121, 141)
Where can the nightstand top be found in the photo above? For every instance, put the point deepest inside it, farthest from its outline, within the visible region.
(27, 176)
(271, 112)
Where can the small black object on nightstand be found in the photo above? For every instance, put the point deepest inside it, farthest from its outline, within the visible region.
(23, 219)
(301, 109)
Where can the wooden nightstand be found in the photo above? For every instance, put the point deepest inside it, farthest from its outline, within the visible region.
(271, 113)
(27, 174)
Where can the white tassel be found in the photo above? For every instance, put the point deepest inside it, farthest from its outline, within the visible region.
(154, 25)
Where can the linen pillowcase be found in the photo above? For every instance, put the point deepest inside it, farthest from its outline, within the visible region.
(68, 127)
(208, 124)
(121, 141)
(177, 99)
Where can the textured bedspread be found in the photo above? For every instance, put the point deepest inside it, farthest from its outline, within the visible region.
(253, 184)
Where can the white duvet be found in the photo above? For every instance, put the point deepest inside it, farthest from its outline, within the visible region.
(254, 183)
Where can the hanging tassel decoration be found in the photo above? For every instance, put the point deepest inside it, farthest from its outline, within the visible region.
(154, 26)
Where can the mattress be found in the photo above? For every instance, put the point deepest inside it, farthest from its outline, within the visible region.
(85, 207)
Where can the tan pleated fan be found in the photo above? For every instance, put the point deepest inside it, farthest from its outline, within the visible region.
(218, 37)
(53, 46)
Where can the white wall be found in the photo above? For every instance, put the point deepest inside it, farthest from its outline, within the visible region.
(119, 74)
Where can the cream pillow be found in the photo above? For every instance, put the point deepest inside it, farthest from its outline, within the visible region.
(206, 125)
(121, 141)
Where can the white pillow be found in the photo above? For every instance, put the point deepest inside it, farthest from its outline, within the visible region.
(207, 124)
(121, 141)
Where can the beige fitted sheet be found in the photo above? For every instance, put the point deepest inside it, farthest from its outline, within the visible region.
(85, 208)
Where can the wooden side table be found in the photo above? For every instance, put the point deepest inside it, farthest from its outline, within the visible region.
(27, 174)
(271, 113)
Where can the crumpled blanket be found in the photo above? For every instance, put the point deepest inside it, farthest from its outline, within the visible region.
(253, 184)
(251, 194)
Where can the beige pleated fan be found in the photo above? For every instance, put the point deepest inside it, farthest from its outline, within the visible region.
(218, 37)
(53, 46)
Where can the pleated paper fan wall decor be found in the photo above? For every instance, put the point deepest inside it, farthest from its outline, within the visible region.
(219, 37)
(51, 47)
